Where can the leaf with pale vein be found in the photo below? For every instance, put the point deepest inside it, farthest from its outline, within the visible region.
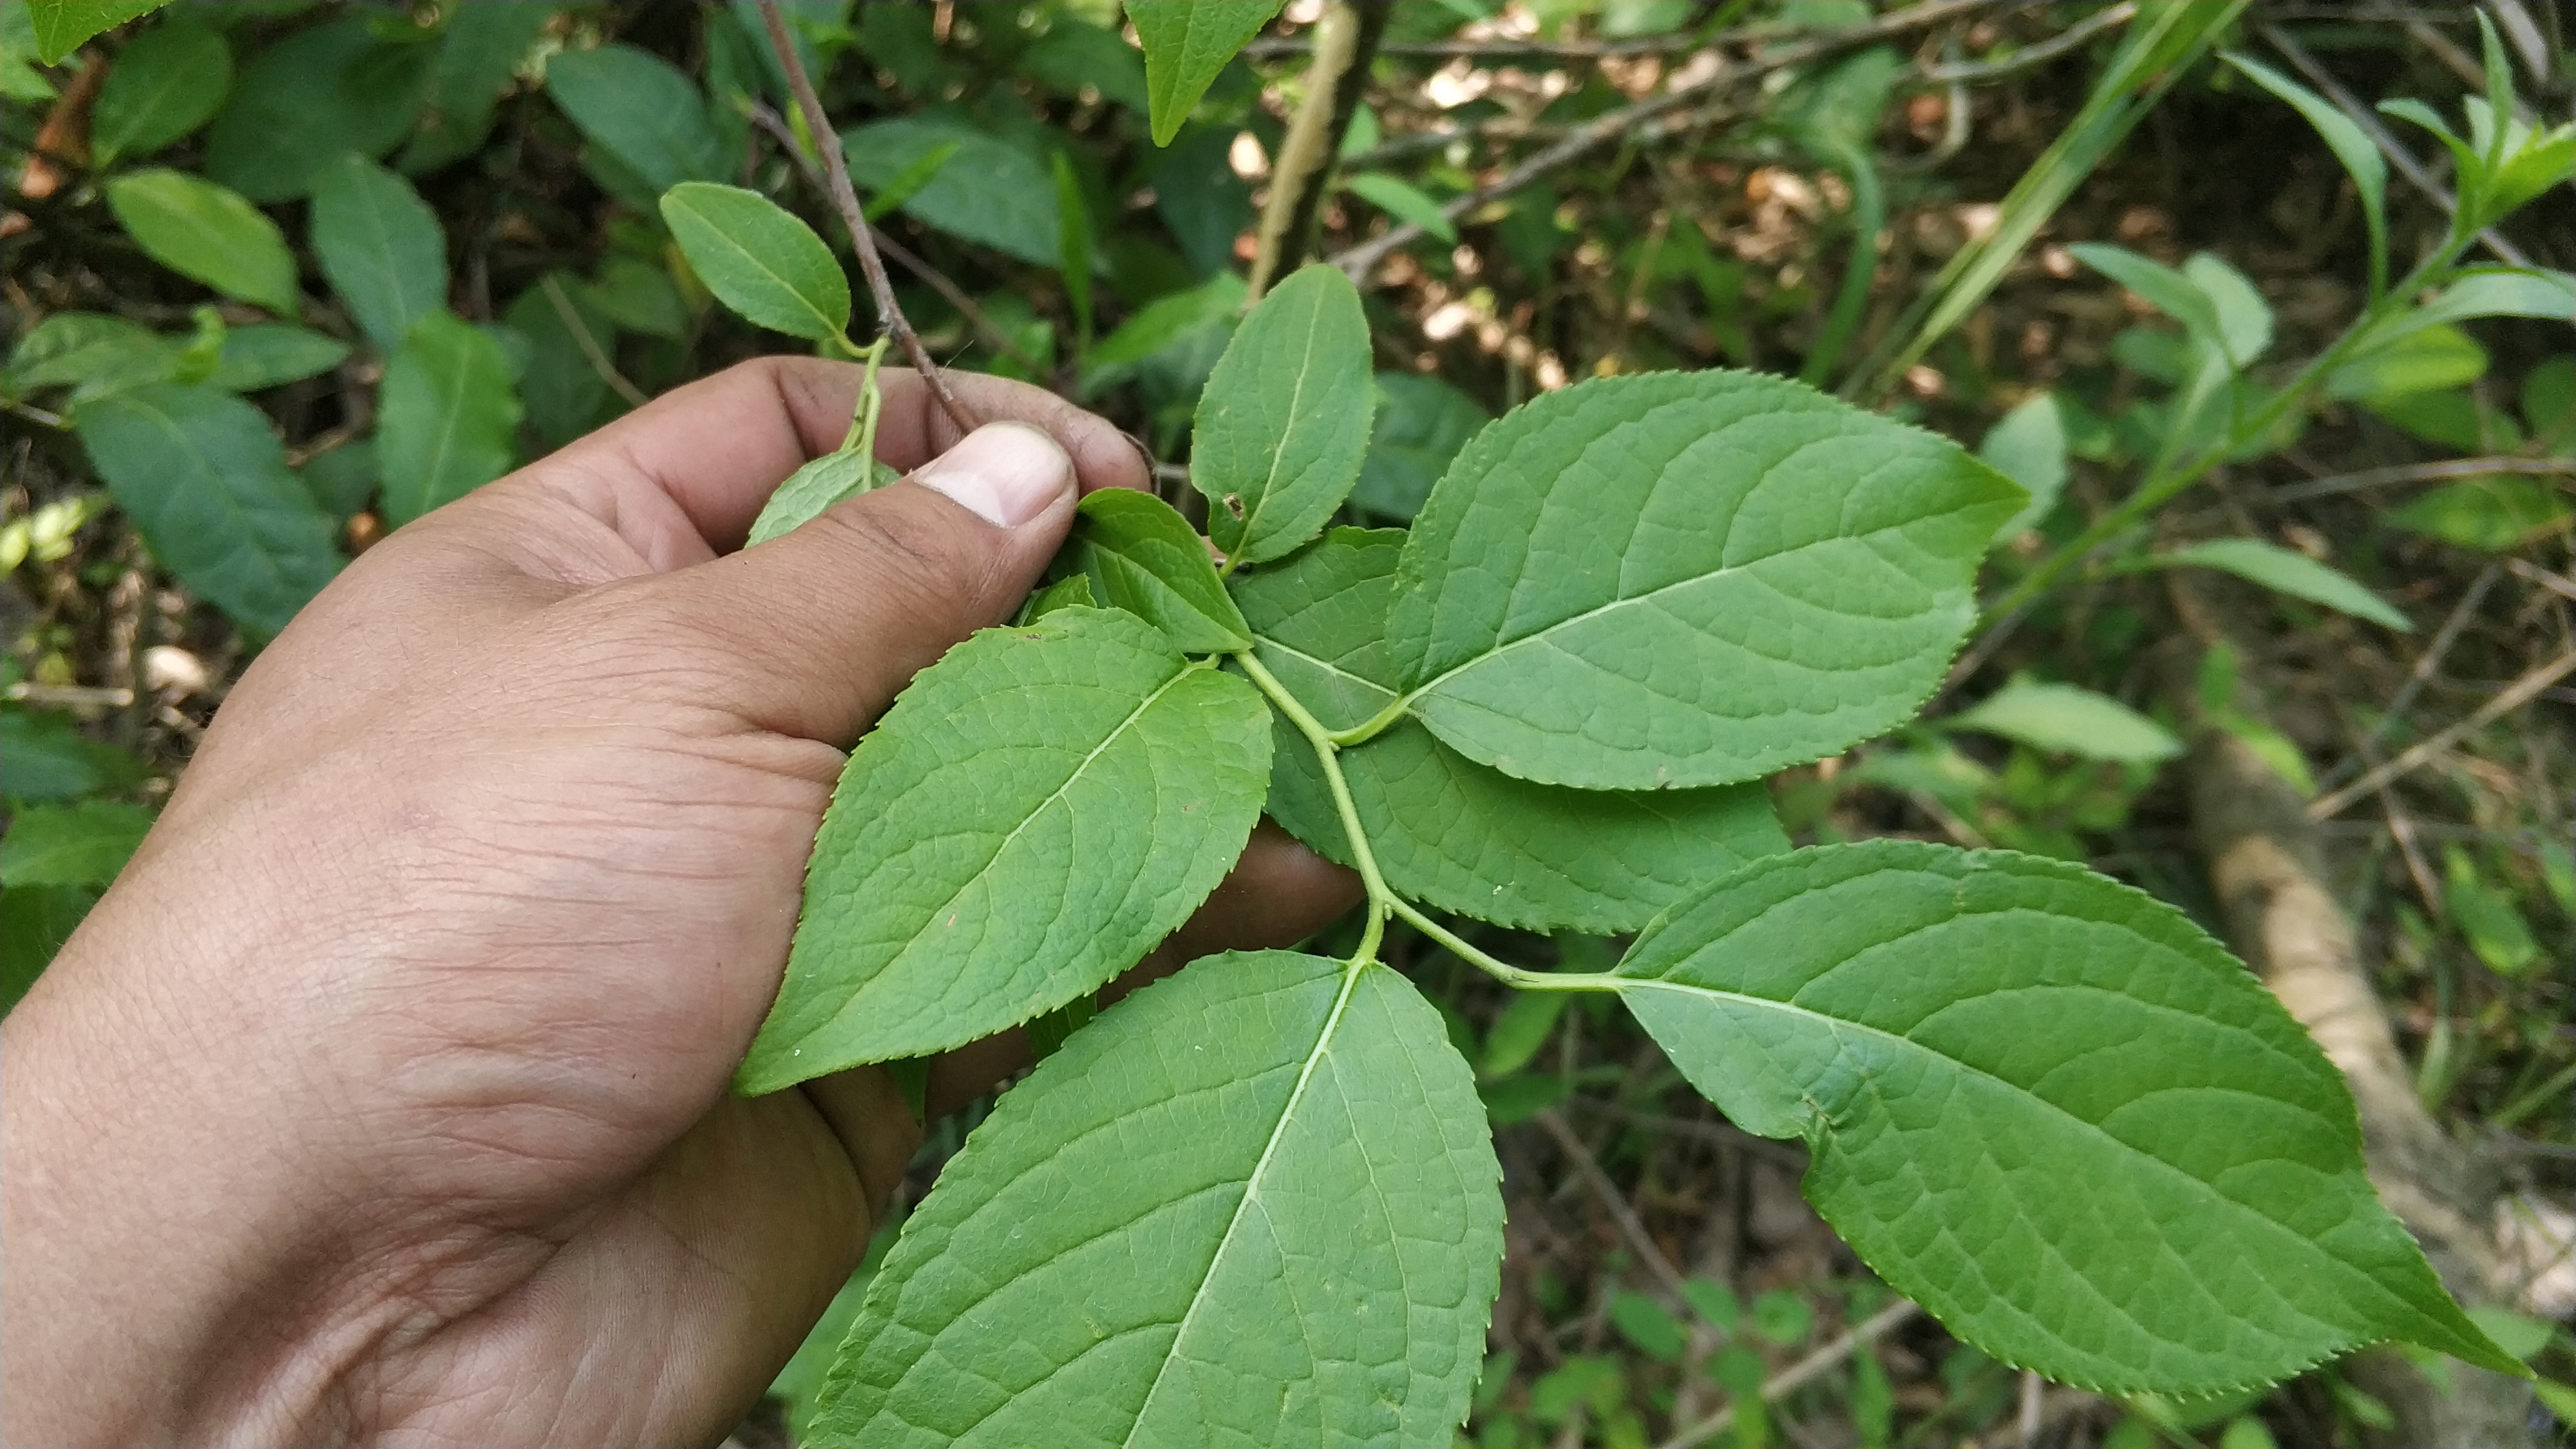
(2048, 1108)
(1284, 420)
(446, 417)
(1253, 1205)
(380, 245)
(1145, 558)
(758, 259)
(1037, 810)
(208, 234)
(1687, 579)
(1186, 43)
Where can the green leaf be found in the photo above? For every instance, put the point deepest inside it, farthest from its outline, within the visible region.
(446, 419)
(2028, 445)
(1420, 424)
(1648, 1325)
(166, 84)
(562, 389)
(1284, 419)
(1074, 56)
(1074, 245)
(2048, 1108)
(1783, 1318)
(1253, 1204)
(269, 354)
(34, 923)
(891, 196)
(816, 486)
(81, 844)
(90, 351)
(1445, 829)
(2426, 359)
(990, 191)
(1186, 43)
(307, 98)
(1036, 811)
(1072, 592)
(641, 109)
(207, 234)
(206, 483)
(2494, 515)
(1528, 1019)
(1166, 320)
(344, 479)
(21, 81)
(2351, 146)
(2073, 721)
(2548, 401)
(42, 757)
(759, 260)
(2290, 573)
(2165, 289)
(380, 245)
(2244, 318)
(1604, 589)
(480, 49)
(1403, 201)
(2486, 917)
(640, 297)
(1715, 1303)
(1145, 558)
(61, 25)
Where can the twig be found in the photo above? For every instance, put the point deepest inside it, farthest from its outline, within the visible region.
(2416, 473)
(1802, 1373)
(2032, 1387)
(1344, 40)
(2514, 696)
(2038, 54)
(2425, 666)
(845, 199)
(1616, 1202)
(904, 257)
(2558, 584)
(589, 345)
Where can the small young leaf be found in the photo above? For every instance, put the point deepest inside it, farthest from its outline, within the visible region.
(81, 844)
(208, 234)
(817, 486)
(2291, 573)
(1648, 1325)
(2244, 318)
(166, 84)
(2028, 445)
(2076, 721)
(2167, 290)
(380, 245)
(1186, 43)
(1073, 592)
(1604, 589)
(269, 354)
(2494, 515)
(1146, 559)
(1036, 811)
(1253, 1204)
(2351, 146)
(311, 96)
(446, 417)
(1715, 1303)
(1420, 424)
(641, 109)
(1403, 201)
(759, 260)
(2486, 917)
(206, 483)
(61, 25)
(1526, 1022)
(2007, 1069)
(1284, 419)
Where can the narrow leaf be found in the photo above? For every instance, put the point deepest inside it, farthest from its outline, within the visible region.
(2167, 290)
(208, 234)
(1284, 419)
(1254, 1204)
(758, 260)
(2351, 145)
(1036, 811)
(1186, 43)
(2028, 445)
(1403, 201)
(817, 486)
(1687, 579)
(169, 81)
(2075, 721)
(2291, 573)
(268, 354)
(380, 245)
(2049, 1109)
(61, 25)
(207, 485)
(81, 844)
(1146, 559)
(446, 418)
(641, 109)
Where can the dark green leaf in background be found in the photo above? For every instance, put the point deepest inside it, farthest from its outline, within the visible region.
(206, 483)
(34, 923)
(1285, 417)
(1037, 810)
(1254, 1204)
(344, 479)
(80, 844)
(480, 48)
(2028, 445)
(42, 758)
(61, 25)
(2063, 717)
(19, 78)
(1404, 202)
(2007, 1069)
(306, 99)
(643, 110)
(762, 262)
(167, 83)
(208, 234)
(1145, 558)
(2294, 574)
(1200, 199)
(380, 245)
(1687, 579)
(561, 387)
(1075, 55)
(91, 352)
(989, 191)
(1186, 43)
(1420, 423)
(268, 354)
(2492, 514)
(640, 297)
(446, 417)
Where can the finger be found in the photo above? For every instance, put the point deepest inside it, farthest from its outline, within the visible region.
(718, 447)
(812, 633)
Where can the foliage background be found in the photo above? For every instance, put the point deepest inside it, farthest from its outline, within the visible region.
(501, 277)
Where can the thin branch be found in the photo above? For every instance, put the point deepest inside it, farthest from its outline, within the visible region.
(1612, 1200)
(2416, 473)
(1802, 1373)
(845, 199)
(2038, 54)
(2426, 666)
(2514, 696)
(589, 345)
(1345, 39)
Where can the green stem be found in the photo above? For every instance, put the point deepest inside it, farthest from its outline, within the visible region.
(1508, 974)
(1375, 725)
(1380, 899)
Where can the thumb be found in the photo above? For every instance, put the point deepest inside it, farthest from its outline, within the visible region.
(813, 633)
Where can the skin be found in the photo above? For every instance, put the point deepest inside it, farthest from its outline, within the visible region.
(384, 1097)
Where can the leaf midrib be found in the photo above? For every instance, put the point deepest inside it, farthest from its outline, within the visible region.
(1351, 975)
(1296, 413)
(790, 288)
(451, 423)
(232, 502)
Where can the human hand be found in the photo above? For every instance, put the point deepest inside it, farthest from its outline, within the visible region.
(384, 1096)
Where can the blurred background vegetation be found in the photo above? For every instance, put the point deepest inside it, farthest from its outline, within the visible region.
(379, 223)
